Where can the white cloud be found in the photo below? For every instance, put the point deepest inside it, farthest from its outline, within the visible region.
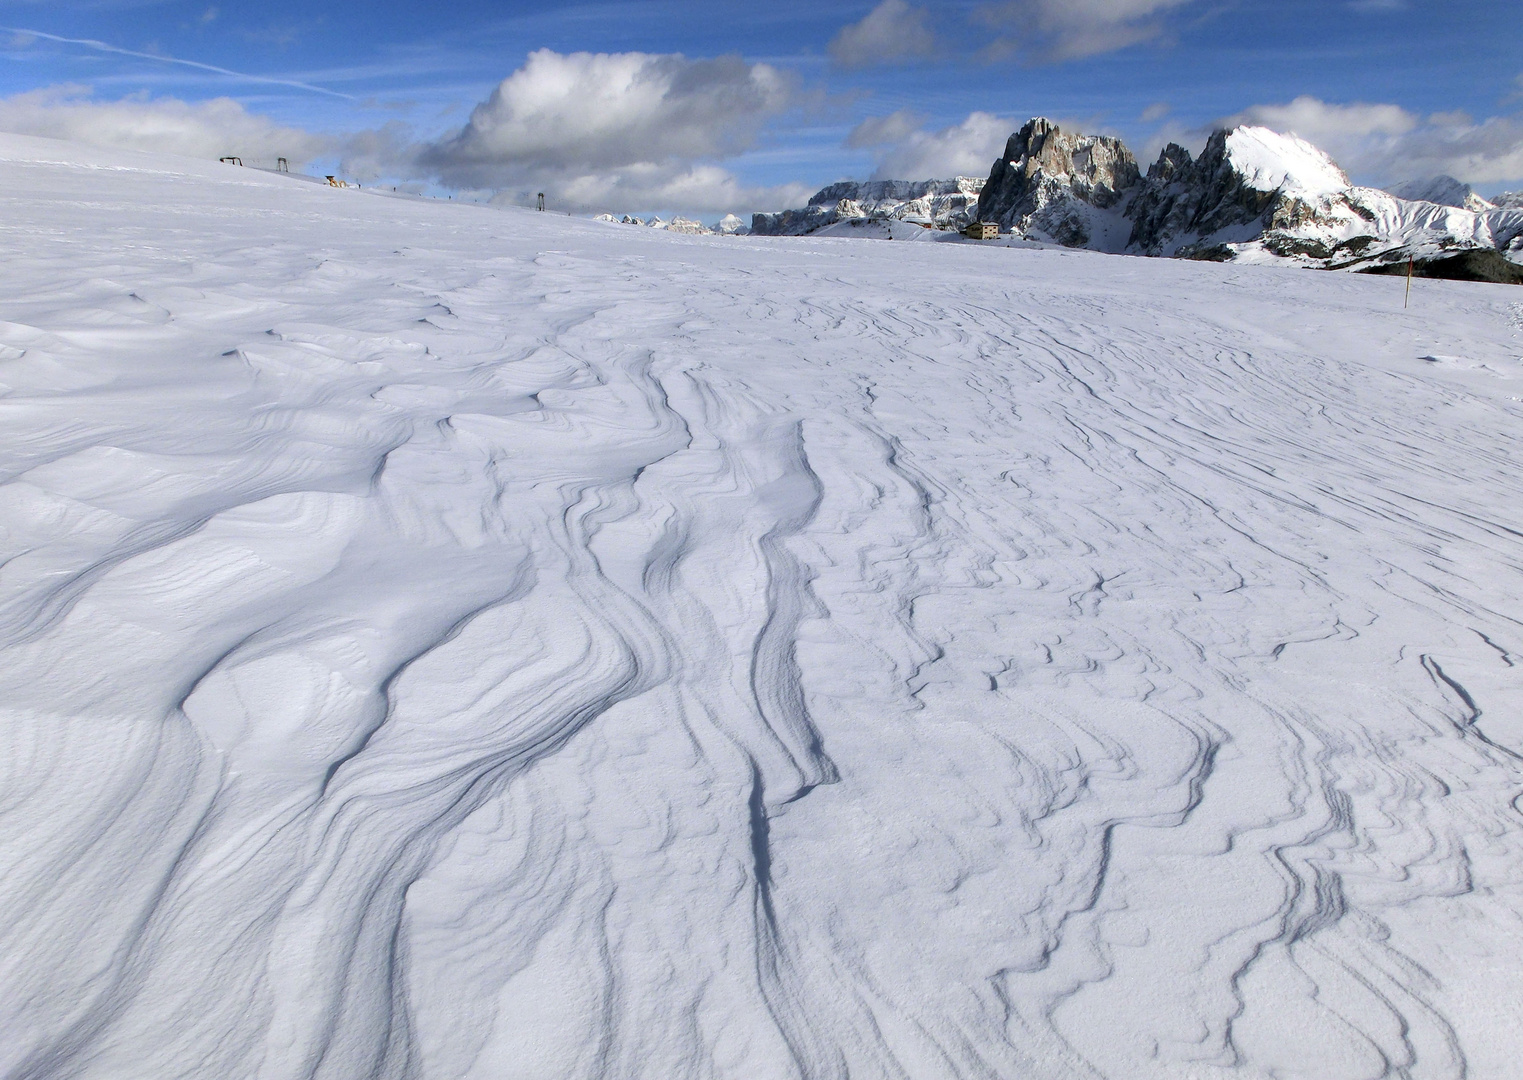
(630, 132)
(893, 31)
(1338, 129)
(689, 189)
(1385, 144)
(907, 152)
(205, 129)
(600, 131)
(878, 131)
(1068, 29)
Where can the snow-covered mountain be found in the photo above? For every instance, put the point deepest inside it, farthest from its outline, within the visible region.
(1257, 195)
(938, 204)
(1247, 184)
(1444, 190)
(729, 225)
(1252, 195)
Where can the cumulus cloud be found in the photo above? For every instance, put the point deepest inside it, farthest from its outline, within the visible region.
(1348, 130)
(908, 152)
(691, 189)
(1385, 144)
(1069, 29)
(204, 129)
(892, 32)
(601, 131)
(629, 132)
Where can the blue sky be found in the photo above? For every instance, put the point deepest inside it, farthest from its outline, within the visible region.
(1363, 78)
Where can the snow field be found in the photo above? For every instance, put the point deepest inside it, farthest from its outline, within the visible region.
(446, 642)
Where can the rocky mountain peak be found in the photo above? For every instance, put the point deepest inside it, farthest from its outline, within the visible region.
(1174, 160)
(1246, 178)
(1047, 176)
(1251, 194)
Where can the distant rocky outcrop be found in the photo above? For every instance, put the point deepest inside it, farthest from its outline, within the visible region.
(1442, 191)
(1047, 183)
(1480, 265)
(729, 225)
(1248, 182)
(936, 204)
(1252, 195)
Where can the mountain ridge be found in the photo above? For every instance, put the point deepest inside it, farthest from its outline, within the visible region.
(1252, 195)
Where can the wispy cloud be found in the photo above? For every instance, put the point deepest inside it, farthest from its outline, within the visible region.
(1055, 30)
(891, 33)
(22, 34)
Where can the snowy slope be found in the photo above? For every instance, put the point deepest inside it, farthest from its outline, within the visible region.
(449, 642)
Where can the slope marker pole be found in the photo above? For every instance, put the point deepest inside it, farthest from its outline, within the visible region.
(1408, 298)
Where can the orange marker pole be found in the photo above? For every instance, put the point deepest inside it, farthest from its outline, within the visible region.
(1408, 299)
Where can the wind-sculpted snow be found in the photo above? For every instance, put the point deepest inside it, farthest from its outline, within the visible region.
(446, 642)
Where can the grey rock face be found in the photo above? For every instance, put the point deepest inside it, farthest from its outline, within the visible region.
(1046, 178)
(1509, 200)
(941, 204)
(898, 191)
(1171, 165)
(1186, 198)
(792, 222)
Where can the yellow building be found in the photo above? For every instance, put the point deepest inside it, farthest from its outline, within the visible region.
(982, 230)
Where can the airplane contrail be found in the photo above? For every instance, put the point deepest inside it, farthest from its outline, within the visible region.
(101, 46)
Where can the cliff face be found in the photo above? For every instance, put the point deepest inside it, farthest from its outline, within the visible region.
(1048, 182)
(1246, 183)
(878, 192)
(1185, 199)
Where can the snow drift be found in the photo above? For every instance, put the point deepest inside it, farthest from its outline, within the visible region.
(448, 642)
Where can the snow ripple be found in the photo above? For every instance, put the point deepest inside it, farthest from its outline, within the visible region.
(463, 644)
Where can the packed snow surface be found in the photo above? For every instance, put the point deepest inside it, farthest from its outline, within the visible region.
(449, 642)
